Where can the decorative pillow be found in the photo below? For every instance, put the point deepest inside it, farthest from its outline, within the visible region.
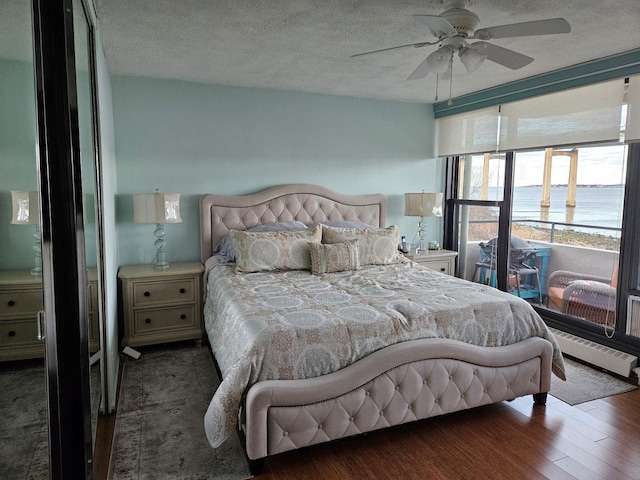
(227, 254)
(336, 257)
(266, 251)
(377, 246)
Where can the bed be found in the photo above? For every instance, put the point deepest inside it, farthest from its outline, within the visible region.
(307, 358)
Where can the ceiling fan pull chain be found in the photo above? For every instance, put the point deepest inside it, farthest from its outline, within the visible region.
(437, 83)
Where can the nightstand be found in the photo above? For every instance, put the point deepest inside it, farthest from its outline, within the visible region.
(161, 306)
(439, 260)
(21, 298)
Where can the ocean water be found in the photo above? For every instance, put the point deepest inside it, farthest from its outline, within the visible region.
(600, 206)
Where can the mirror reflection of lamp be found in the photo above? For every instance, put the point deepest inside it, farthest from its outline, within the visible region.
(26, 212)
(422, 205)
(158, 208)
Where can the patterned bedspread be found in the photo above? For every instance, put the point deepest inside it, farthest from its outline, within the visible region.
(292, 325)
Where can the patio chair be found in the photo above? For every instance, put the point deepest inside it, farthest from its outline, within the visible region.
(520, 265)
(585, 296)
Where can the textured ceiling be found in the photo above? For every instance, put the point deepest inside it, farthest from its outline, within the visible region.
(305, 45)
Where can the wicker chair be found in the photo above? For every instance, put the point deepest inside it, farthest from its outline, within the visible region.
(585, 296)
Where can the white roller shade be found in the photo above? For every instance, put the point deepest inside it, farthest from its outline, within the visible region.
(470, 132)
(632, 132)
(589, 114)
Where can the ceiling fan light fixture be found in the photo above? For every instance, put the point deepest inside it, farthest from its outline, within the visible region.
(471, 59)
(438, 61)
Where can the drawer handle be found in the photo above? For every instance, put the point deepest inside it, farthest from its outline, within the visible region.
(182, 290)
(41, 326)
(147, 294)
(11, 303)
(183, 316)
(12, 333)
(442, 269)
(147, 320)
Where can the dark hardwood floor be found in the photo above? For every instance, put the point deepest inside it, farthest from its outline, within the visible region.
(511, 440)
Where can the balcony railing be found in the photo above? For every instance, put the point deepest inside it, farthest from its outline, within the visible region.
(564, 224)
(549, 231)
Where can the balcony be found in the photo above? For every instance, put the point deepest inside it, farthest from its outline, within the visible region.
(563, 247)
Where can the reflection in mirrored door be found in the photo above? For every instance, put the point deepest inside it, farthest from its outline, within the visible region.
(23, 403)
(89, 199)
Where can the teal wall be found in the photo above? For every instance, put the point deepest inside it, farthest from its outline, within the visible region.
(193, 139)
(18, 164)
(18, 161)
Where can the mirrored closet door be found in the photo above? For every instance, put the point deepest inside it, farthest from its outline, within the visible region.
(91, 205)
(23, 400)
(26, 268)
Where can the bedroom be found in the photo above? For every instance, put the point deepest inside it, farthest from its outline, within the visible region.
(160, 124)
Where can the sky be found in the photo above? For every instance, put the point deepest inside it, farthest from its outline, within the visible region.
(596, 166)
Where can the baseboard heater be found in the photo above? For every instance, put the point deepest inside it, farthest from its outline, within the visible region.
(601, 356)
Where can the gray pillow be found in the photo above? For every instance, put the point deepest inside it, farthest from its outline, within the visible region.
(279, 250)
(377, 246)
(346, 224)
(226, 253)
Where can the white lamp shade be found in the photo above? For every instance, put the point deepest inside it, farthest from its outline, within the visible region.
(25, 207)
(423, 204)
(158, 208)
(438, 61)
(471, 58)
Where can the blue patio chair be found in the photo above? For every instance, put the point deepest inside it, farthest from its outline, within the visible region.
(520, 265)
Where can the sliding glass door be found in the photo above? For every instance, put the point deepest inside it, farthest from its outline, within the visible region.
(569, 201)
(566, 212)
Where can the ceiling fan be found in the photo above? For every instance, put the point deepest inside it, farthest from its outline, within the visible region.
(456, 25)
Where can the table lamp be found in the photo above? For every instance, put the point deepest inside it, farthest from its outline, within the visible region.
(422, 205)
(158, 208)
(25, 212)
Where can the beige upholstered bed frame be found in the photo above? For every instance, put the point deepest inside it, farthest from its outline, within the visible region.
(401, 383)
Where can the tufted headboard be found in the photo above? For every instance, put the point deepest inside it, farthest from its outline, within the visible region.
(310, 204)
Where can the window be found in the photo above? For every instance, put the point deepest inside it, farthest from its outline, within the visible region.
(567, 204)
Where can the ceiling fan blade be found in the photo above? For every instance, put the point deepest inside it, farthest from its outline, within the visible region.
(420, 72)
(524, 29)
(503, 56)
(438, 26)
(436, 62)
(416, 45)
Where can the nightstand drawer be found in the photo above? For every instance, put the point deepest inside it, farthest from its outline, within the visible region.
(19, 303)
(157, 293)
(19, 332)
(149, 321)
(438, 266)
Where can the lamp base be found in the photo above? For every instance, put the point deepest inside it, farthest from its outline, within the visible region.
(37, 250)
(159, 261)
(421, 247)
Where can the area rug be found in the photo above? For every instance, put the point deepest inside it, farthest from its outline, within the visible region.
(585, 384)
(160, 423)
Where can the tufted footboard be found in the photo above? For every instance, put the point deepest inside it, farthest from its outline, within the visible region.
(398, 384)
